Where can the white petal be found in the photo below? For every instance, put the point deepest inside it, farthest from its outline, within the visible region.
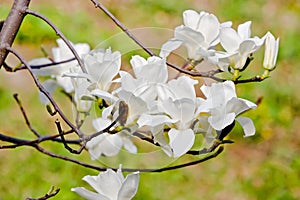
(136, 105)
(127, 141)
(155, 71)
(181, 110)
(229, 39)
(106, 144)
(244, 30)
(183, 87)
(191, 19)
(44, 71)
(101, 123)
(247, 125)
(218, 94)
(153, 120)
(221, 121)
(104, 95)
(50, 85)
(239, 106)
(93, 182)
(209, 26)
(88, 194)
(169, 46)
(192, 40)
(109, 183)
(129, 187)
(181, 141)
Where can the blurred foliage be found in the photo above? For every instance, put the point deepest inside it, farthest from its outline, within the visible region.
(266, 166)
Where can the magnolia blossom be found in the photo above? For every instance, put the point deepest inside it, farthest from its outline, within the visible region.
(238, 46)
(110, 144)
(110, 185)
(102, 66)
(61, 53)
(271, 51)
(223, 106)
(179, 107)
(150, 78)
(199, 34)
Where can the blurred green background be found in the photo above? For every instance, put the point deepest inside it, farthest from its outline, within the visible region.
(266, 166)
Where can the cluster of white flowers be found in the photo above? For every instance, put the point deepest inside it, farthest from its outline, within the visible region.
(167, 110)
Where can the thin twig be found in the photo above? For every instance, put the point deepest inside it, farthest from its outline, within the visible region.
(61, 133)
(25, 116)
(19, 142)
(60, 34)
(45, 92)
(209, 74)
(46, 65)
(46, 196)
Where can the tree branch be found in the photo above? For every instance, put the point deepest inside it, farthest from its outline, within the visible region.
(46, 196)
(11, 26)
(25, 116)
(60, 34)
(209, 74)
(46, 93)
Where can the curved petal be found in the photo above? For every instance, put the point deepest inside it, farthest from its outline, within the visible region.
(101, 123)
(219, 122)
(209, 26)
(169, 46)
(129, 186)
(244, 30)
(88, 194)
(50, 85)
(181, 141)
(218, 93)
(104, 95)
(247, 125)
(192, 40)
(109, 183)
(239, 106)
(182, 110)
(183, 87)
(229, 39)
(191, 19)
(136, 105)
(153, 120)
(103, 66)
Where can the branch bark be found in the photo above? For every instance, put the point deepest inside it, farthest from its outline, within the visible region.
(11, 26)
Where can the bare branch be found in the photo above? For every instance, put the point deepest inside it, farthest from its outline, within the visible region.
(45, 92)
(61, 133)
(60, 34)
(11, 26)
(46, 196)
(25, 116)
(209, 74)
(46, 65)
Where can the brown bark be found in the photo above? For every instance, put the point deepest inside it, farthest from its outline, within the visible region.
(11, 26)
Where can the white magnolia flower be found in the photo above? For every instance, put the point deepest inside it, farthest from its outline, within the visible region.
(271, 51)
(223, 106)
(102, 66)
(238, 46)
(110, 185)
(199, 34)
(61, 53)
(110, 144)
(150, 77)
(179, 115)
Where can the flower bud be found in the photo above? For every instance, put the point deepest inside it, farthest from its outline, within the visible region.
(271, 51)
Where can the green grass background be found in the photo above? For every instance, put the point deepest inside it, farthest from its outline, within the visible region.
(266, 166)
